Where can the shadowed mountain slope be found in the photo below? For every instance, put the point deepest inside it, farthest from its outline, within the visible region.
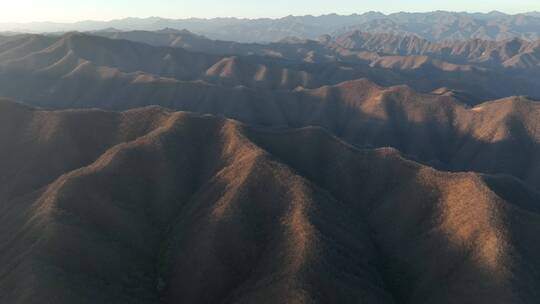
(162, 207)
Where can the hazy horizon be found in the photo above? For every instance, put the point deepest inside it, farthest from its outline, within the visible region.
(253, 18)
(63, 11)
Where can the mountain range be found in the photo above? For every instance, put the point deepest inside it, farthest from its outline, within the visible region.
(335, 159)
(59, 71)
(434, 26)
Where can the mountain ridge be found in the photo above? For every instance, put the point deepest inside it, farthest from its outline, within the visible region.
(200, 219)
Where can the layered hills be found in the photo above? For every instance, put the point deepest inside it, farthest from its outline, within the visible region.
(54, 69)
(152, 206)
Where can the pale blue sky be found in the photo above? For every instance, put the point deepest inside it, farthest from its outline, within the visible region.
(73, 10)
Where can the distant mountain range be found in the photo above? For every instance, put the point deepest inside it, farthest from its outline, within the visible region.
(434, 26)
